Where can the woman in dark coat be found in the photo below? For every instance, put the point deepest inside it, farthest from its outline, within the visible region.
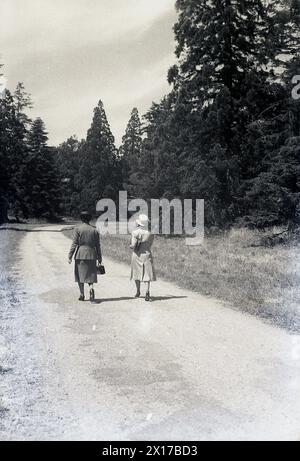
(87, 250)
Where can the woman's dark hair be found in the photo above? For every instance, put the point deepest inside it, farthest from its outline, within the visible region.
(85, 217)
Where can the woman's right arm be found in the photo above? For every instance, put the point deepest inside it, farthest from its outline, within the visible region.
(98, 247)
(134, 240)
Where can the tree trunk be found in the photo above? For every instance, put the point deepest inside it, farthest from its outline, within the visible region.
(3, 211)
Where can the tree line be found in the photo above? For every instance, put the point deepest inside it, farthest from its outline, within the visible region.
(227, 132)
(29, 182)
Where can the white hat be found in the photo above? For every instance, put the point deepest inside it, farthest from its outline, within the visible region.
(142, 220)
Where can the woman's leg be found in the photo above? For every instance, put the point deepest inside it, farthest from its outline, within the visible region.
(138, 288)
(81, 289)
(92, 292)
(148, 291)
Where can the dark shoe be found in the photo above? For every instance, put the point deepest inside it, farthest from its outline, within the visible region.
(138, 294)
(81, 298)
(92, 295)
(147, 297)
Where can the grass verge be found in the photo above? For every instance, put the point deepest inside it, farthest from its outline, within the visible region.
(262, 281)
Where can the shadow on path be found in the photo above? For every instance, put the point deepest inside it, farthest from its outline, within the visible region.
(132, 298)
(16, 229)
(108, 300)
(166, 298)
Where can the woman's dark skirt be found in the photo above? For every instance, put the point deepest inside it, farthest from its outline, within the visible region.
(86, 271)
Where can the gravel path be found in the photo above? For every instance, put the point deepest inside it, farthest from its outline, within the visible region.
(181, 367)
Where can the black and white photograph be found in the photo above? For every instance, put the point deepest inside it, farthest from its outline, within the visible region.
(149, 223)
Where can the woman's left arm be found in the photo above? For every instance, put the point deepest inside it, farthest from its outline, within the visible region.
(74, 245)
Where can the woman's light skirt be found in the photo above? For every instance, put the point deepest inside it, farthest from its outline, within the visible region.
(142, 267)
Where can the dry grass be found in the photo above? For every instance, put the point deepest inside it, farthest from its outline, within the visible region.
(259, 280)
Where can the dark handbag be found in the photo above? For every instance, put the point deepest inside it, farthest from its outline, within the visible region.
(101, 269)
(137, 244)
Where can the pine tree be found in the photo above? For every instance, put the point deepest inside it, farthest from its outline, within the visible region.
(272, 195)
(3, 203)
(286, 22)
(40, 182)
(226, 51)
(130, 151)
(23, 102)
(12, 150)
(68, 163)
(159, 168)
(98, 173)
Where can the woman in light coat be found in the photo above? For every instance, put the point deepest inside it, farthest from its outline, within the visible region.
(142, 269)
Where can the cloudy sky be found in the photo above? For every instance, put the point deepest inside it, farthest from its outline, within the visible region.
(71, 53)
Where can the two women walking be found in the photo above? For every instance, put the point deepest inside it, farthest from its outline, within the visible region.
(88, 257)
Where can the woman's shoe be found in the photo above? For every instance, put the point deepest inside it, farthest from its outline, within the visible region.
(138, 294)
(81, 298)
(147, 297)
(92, 295)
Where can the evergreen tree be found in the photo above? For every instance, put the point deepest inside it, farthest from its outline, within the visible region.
(286, 22)
(68, 163)
(130, 151)
(158, 170)
(98, 172)
(3, 203)
(272, 197)
(12, 150)
(40, 185)
(23, 102)
(227, 52)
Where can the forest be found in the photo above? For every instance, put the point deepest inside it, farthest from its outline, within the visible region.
(227, 132)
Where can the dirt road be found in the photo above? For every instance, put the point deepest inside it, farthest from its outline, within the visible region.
(181, 367)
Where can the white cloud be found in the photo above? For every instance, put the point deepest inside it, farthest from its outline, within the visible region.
(49, 22)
